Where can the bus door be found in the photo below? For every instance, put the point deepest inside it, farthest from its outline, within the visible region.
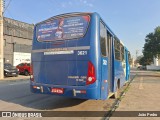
(123, 54)
(127, 64)
(110, 61)
(104, 61)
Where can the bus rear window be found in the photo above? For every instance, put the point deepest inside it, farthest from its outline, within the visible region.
(62, 28)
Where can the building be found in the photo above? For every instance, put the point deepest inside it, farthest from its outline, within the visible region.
(155, 65)
(156, 61)
(17, 41)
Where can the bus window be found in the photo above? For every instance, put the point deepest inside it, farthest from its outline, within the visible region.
(109, 37)
(117, 49)
(62, 28)
(103, 39)
(122, 52)
(129, 58)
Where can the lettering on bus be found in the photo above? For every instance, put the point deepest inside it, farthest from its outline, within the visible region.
(62, 28)
(82, 52)
(104, 62)
(58, 52)
(78, 78)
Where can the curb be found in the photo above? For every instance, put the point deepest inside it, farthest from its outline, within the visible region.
(117, 101)
(16, 80)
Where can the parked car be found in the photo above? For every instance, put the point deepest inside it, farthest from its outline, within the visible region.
(24, 68)
(141, 67)
(9, 70)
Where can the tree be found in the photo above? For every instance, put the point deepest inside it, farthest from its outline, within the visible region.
(151, 46)
(138, 59)
(145, 61)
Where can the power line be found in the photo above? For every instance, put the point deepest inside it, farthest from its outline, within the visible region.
(7, 6)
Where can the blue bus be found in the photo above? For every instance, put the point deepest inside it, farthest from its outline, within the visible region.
(77, 55)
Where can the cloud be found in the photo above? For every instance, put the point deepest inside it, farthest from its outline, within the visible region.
(63, 5)
(140, 33)
(86, 3)
(76, 2)
(90, 5)
(70, 3)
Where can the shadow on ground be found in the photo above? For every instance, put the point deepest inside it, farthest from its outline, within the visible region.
(20, 94)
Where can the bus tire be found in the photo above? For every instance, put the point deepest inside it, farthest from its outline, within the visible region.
(117, 89)
(116, 93)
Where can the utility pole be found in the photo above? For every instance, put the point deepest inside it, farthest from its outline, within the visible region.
(1, 40)
(137, 57)
(137, 54)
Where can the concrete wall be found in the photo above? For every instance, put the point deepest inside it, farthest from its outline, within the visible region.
(156, 61)
(17, 38)
(15, 44)
(20, 57)
(153, 67)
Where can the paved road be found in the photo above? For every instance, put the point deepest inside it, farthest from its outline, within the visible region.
(16, 96)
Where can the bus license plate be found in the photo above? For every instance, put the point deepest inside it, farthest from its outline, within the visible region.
(57, 90)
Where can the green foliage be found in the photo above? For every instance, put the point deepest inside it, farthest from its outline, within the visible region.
(145, 61)
(151, 47)
(138, 59)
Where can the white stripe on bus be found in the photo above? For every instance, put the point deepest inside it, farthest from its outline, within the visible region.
(62, 49)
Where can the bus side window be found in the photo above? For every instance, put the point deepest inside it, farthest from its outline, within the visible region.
(103, 39)
(109, 37)
(117, 49)
(129, 58)
(122, 52)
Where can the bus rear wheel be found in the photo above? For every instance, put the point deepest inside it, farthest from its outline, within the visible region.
(116, 93)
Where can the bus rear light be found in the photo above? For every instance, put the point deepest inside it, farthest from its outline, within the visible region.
(83, 91)
(31, 73)
(90, 79)
(35, 87)
(75, 92)
(91, 76)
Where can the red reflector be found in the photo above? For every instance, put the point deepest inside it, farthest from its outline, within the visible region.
(83, 91)
(35, 87)
(57, 90)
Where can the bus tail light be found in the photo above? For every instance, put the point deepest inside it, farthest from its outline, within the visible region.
(31, 73)
(91, 76)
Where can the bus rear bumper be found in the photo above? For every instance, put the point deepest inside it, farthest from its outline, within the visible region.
(82, 92)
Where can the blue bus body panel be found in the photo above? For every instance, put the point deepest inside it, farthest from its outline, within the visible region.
(91, 93)
(69, 69)
(104, 82)
(119, 73)
(127, 65)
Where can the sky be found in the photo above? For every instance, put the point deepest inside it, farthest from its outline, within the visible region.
(130, 20)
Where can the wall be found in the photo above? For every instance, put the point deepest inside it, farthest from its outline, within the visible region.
(17, 38)
(153, 67)
(20, 57)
